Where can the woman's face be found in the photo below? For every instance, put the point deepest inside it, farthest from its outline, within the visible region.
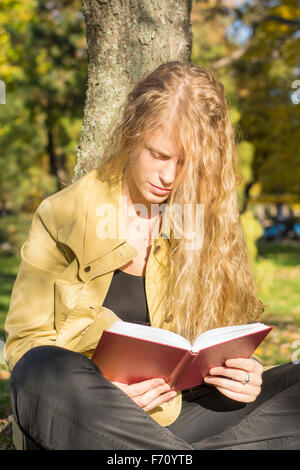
(150, 175)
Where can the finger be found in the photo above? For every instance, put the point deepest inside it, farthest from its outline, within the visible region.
(233, 385)
(145, 386)
(148, 397)
(237, 396)
(249, 365)
(237, 374)
(160, 400)
(120, 385)
(151, 398)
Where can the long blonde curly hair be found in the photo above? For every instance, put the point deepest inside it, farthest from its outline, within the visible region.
(213, 285)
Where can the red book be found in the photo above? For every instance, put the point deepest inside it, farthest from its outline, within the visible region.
(130, 353)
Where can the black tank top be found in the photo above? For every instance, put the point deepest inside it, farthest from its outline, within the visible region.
(126, 297)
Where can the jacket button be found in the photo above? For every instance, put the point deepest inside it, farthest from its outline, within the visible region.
(170, 318)
(156, 249)
(87, 269)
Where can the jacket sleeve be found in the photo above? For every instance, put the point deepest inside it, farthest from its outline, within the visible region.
(30, 319)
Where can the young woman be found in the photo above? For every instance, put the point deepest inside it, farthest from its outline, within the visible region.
(81, 271)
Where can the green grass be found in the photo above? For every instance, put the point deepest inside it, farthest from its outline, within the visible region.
(283, 291)
(278, 274)
(8, 272)
(13, 229)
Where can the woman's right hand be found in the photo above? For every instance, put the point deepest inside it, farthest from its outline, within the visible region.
(149, 393)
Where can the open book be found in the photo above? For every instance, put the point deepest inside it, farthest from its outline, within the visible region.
(130, 352)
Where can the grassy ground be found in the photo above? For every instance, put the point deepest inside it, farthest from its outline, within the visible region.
(277, 272)
(13, 231)
(8, 271)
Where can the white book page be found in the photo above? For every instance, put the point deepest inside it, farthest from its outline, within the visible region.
(226, 333)
(150, 333)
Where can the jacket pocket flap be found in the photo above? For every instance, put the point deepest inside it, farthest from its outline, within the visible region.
(90, 336)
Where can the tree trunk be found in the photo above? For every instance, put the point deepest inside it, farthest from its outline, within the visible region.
(126, 40)
(246, 196)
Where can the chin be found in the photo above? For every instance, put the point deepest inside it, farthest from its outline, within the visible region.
(154, 199)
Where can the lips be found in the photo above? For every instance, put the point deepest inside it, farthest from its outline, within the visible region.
(161, 189)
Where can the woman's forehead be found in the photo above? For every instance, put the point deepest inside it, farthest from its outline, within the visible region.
(163, 141)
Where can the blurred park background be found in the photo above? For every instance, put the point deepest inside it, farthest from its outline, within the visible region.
(254, 48)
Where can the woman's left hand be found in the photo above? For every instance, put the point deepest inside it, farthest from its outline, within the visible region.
(241, 379)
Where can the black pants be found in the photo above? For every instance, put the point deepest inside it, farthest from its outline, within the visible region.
(61, 400)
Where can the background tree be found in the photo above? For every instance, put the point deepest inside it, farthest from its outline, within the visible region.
(265, 63)
(253, 46)
(43, 63)
(125, 41)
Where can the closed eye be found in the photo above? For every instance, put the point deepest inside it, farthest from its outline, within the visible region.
(156, 155)
(164, 157)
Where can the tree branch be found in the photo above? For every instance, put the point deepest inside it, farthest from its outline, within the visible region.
(279, 19)
(231, 57)
(238, 53)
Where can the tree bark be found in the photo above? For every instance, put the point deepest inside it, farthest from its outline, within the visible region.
(126, 40)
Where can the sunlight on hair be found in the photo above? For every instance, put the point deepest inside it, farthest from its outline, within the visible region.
(212, 285)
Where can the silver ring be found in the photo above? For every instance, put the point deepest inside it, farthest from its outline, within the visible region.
(247, 380)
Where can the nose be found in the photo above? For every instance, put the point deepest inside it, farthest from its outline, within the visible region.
(168, 173)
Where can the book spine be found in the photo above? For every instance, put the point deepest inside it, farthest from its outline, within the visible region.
(180, 368)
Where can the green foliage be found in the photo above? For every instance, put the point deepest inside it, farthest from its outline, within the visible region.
(44, 66)
(24, 175)
(246, 152)
(252, 232)
(259, 82)
(264, 78)
(8, 272)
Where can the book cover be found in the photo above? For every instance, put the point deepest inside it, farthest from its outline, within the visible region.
(128, 359)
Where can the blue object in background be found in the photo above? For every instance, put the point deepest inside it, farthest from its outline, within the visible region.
(275, 230)
(296, 229)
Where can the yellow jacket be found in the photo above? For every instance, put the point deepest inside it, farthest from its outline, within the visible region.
(65, 273)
